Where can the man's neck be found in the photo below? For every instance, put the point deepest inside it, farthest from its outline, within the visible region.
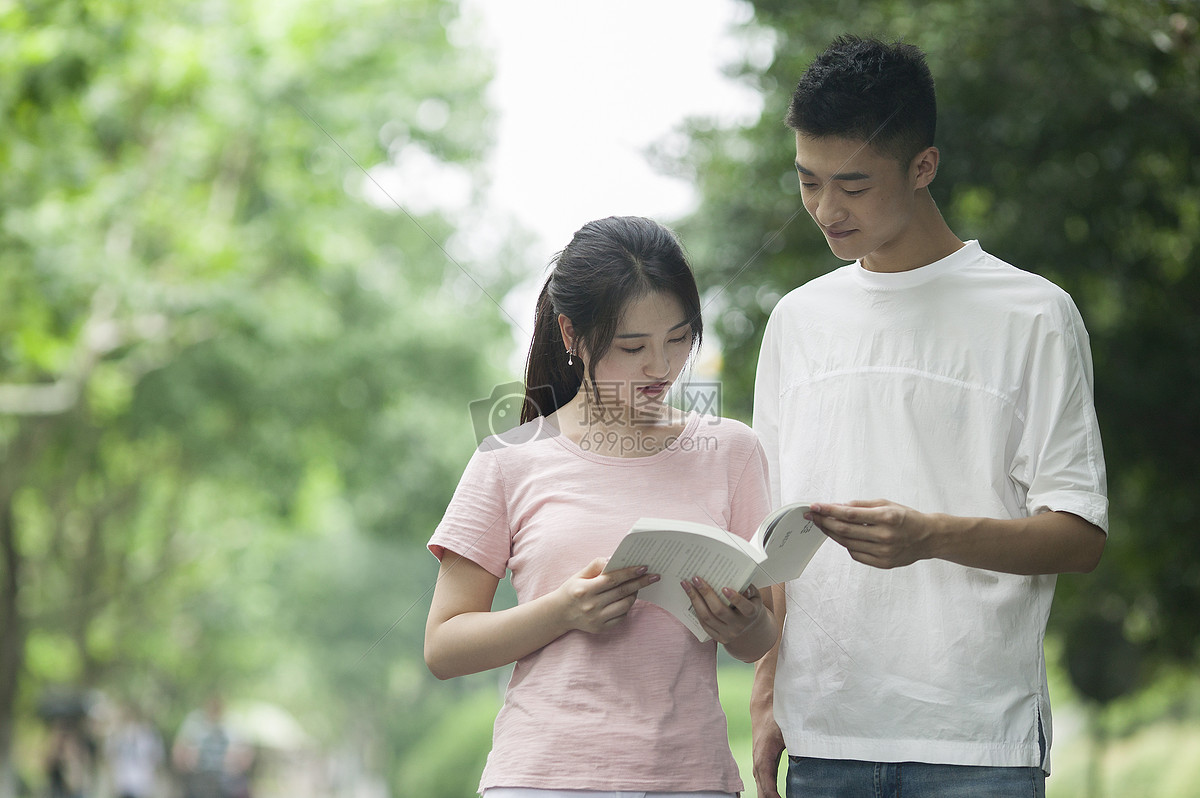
(926, 240)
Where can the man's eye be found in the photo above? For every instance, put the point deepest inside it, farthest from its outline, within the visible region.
(856, 192)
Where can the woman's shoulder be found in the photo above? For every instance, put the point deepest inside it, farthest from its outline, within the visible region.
(730, 432)
(519, 442)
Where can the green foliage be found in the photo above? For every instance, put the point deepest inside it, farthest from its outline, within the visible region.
(234, 379)
(1068, 133)
(449, 758)
(735, 681)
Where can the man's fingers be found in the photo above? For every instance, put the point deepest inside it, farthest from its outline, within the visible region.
(766, 773)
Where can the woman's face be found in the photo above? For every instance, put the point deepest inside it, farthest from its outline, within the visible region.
(651, 346)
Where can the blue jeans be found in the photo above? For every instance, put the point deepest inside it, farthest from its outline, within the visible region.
(844, 778)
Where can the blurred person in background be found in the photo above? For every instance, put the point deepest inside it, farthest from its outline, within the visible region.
(210, 760)
(135, 755)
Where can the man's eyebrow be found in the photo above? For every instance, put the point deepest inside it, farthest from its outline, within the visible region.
(838, 176)
(683, 323)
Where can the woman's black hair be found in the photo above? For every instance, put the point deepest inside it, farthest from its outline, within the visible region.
(609, 263)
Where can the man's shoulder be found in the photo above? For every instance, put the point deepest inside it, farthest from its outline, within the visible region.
(1018, 288)
(815, 290)
(1018, 275)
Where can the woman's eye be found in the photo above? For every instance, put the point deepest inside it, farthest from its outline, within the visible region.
(633, 351)
(678, 340)
(856, 192)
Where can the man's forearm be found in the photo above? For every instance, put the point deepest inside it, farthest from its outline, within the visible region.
(767, 744)
(884, 534)
(1047, 543)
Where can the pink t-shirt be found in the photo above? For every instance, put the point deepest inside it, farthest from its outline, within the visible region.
(635, 707)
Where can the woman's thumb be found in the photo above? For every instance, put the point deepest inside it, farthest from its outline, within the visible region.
(594, 568)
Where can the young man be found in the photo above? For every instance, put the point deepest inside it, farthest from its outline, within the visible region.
(958, 387)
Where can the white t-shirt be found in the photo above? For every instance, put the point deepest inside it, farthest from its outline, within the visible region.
(962, 387)
(135, 752)
(635, 707)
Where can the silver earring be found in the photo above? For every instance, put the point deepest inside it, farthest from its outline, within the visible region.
(570, 355)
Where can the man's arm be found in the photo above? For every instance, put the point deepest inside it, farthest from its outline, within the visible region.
(888, 535)
(767, 747)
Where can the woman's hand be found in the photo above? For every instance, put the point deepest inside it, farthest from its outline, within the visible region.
(745, 626)
(723, 622)
(593, 601)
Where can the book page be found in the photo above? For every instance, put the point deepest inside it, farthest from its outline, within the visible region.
(790, 543)
(677, 555)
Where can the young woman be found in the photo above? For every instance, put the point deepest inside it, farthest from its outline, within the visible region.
(608, 694)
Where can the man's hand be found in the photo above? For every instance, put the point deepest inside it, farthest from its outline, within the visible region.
(880, 533)
(766, 752)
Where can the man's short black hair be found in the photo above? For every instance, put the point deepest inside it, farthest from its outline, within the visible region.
(866, 89)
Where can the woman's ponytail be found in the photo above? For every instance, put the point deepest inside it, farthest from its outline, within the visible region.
(550, 382)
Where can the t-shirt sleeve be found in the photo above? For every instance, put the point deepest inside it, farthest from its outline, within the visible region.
(766, 408)
(1059, 456)
(475, 525)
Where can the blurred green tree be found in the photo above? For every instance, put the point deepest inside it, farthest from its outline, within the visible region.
(227, 357)
(1069, 131)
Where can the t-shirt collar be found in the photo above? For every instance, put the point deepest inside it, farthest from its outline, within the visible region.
(897, 281)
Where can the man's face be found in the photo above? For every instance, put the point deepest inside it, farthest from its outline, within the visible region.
(862, 200)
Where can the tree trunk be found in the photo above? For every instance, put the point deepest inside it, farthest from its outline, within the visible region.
(12, 642)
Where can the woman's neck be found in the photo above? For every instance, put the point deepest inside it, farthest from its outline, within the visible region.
(616, 429)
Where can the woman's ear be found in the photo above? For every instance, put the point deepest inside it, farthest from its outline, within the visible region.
(568, 332)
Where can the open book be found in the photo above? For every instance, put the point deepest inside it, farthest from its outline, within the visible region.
(779, 550)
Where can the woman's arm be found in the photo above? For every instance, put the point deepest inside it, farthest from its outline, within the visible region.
(463, 635)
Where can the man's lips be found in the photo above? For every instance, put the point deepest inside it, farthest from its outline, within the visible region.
(838, 234)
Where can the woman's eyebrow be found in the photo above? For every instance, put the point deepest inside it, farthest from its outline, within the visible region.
(683, 323)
